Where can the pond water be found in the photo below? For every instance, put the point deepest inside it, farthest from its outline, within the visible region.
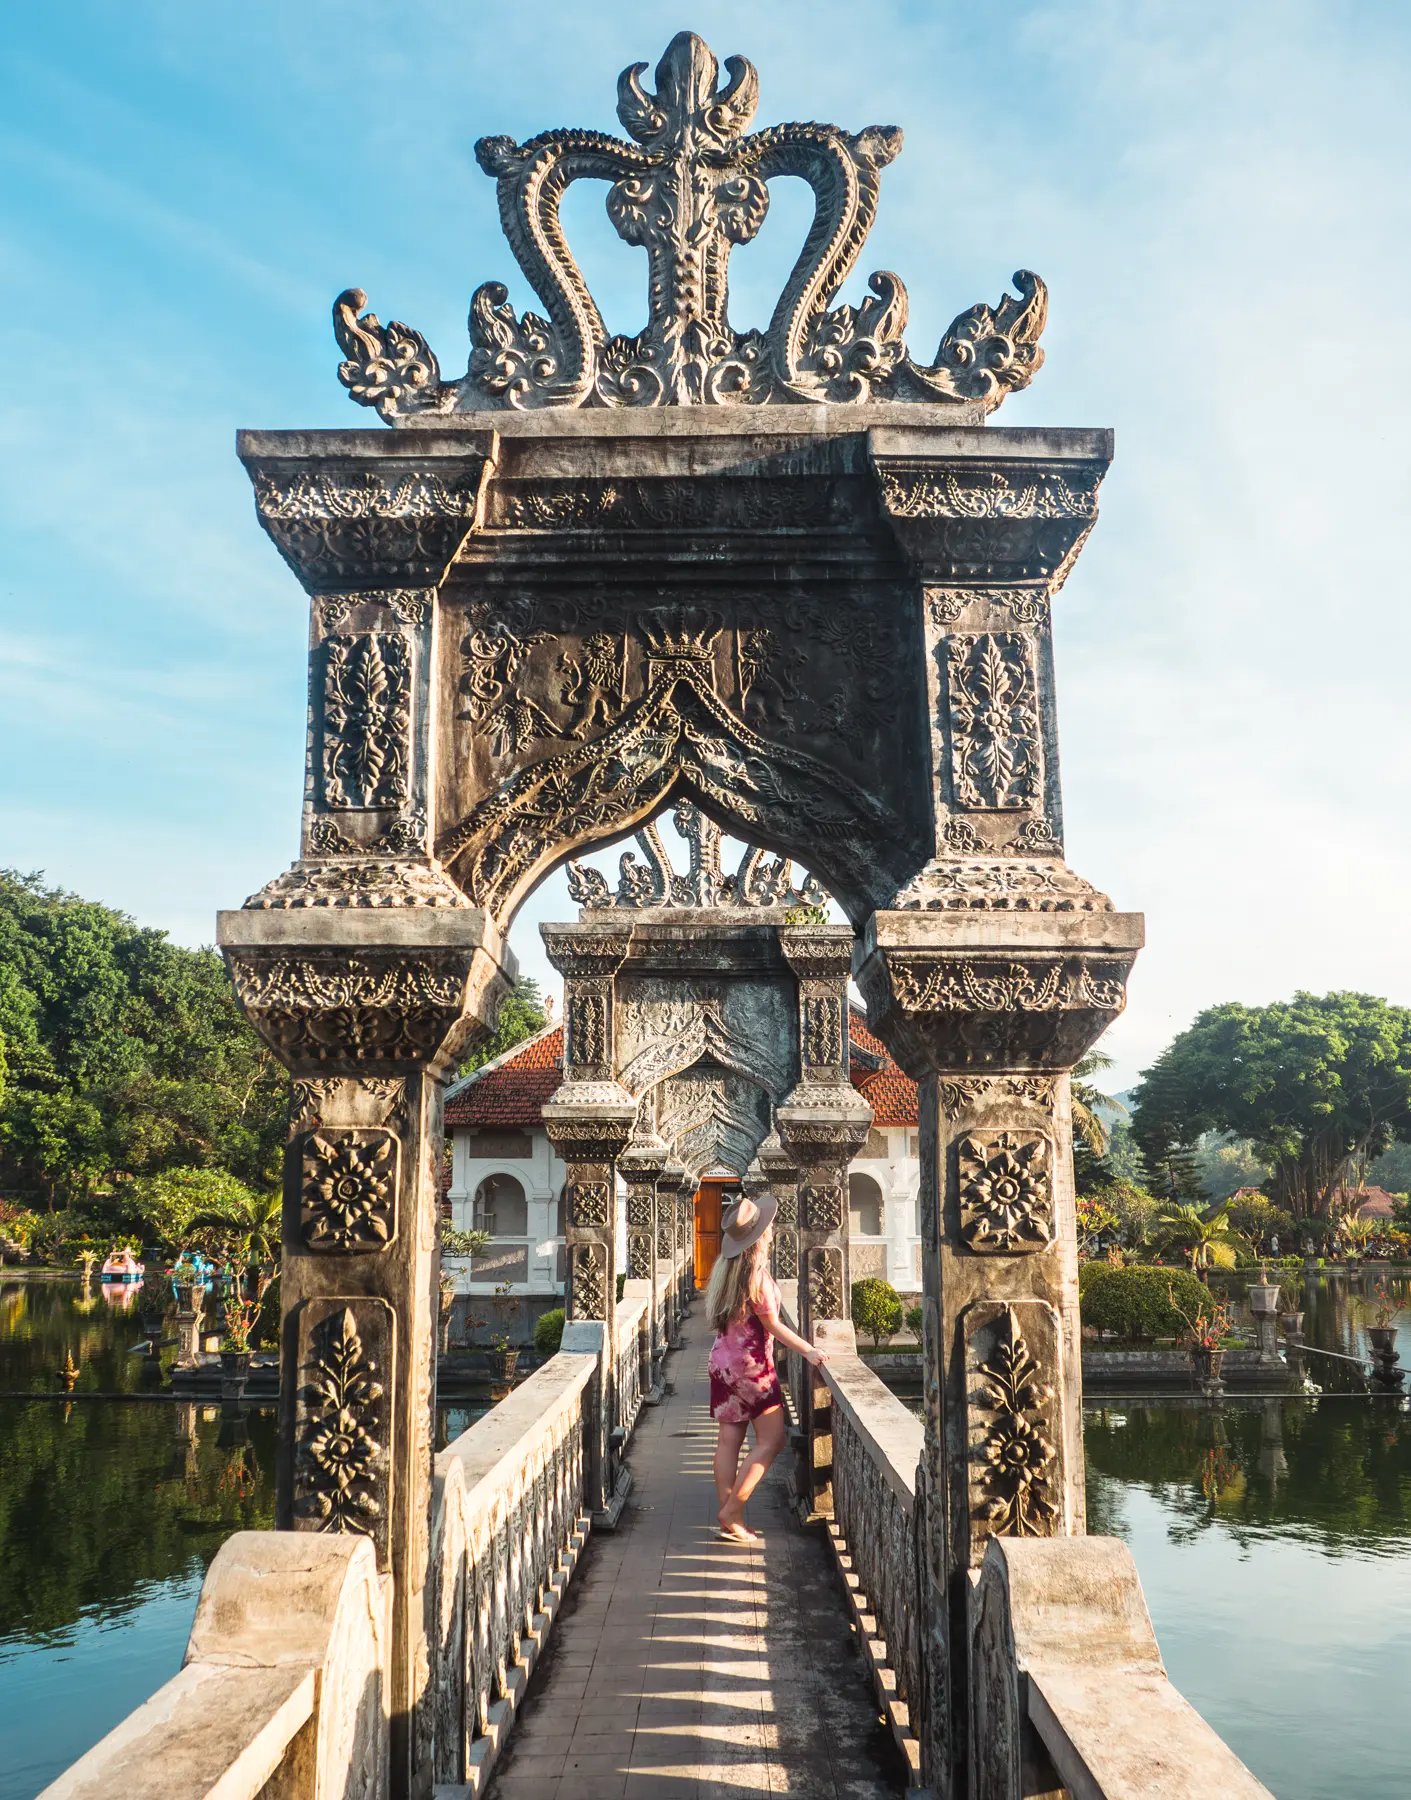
(110, 1513)
(1273, 1538)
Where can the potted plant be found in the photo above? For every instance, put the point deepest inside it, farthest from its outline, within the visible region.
(235, 1349)
(1207, 1335)
(1381, 1332)
(503, 1360)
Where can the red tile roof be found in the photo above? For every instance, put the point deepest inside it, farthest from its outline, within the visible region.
(512, 1090)
(892, 1096)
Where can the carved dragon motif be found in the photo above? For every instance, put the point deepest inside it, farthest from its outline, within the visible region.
(690, 186)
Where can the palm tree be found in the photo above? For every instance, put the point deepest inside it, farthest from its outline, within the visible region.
(250, 1230)
(1206, 1236)
(1087, 1120)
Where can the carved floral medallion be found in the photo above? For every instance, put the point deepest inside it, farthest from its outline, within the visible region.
(1005, 1189)
(348, 1195)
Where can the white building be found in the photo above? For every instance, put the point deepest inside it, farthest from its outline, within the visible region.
(507, 1179)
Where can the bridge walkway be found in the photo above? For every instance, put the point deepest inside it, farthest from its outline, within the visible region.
(685, 1668)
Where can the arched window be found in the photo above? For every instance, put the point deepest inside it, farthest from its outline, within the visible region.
(864, 1206)
(500, 1207)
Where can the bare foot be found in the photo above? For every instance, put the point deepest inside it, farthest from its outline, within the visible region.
(732, 1524)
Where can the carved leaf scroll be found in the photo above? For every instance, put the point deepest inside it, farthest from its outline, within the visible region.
(690, 186)
(343, 1441)
(1014, 1458)
(367, 695)
(994, 716)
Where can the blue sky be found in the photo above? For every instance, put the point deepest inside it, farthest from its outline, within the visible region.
(1217, 195)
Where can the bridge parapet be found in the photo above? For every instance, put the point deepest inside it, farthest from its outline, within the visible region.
(1067, 1692)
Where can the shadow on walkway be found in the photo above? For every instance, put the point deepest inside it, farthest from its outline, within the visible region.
(682, 1666)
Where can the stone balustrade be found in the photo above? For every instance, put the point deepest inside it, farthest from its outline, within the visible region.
(283, 1694)
(285, 1690)
(1068, 1693)
(508, 1523)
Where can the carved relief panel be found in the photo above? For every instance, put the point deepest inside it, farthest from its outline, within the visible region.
(367, 716)
(825, 1284)
(348, 1192)
(995, 755)
(344, 1420)
(1014, 1430)
(1004, 1185)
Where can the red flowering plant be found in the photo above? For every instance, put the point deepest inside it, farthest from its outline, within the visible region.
(1210, 1329)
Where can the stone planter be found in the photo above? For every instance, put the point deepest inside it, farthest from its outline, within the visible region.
(1381, 1338)
(1354, 1266)
(1292, 1323)
(1264, 1298)
(503, 1363)
(234, 1373)
(1206, 1363)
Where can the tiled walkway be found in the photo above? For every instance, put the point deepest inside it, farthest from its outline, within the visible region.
(682, 1667)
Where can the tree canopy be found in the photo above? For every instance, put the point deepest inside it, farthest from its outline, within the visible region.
(122, 1053)
(521, 1015)
(1319, 1085)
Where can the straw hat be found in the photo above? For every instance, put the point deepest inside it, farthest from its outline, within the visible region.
(745, 1223)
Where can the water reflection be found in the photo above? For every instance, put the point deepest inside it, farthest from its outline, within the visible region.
(1335, 1472)
(110, 1513)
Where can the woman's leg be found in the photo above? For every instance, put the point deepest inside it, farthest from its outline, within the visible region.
(727, 1457)
(770, 1431)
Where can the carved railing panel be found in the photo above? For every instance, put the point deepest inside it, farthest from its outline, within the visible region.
(510, 1498)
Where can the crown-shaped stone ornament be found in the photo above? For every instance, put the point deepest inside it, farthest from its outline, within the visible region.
(691, 185)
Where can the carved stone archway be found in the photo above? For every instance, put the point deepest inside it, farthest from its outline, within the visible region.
(782, 573)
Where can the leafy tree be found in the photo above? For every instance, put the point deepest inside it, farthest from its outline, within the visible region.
(1089, 1103)
(1207, 1238)
(521, 1015)
(1319, 1085)
(170, 1204)
(124, 1053)
(877, 1309)
(1224, 1164)
(245, 1227)
(1261, 1222)
(1134, 1211)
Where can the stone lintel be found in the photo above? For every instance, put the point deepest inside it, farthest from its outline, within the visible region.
(366, 928)
(892, 429)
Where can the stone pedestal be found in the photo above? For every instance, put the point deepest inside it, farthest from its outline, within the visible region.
(989, 1012)
(190, 1311)
(1264, 1304)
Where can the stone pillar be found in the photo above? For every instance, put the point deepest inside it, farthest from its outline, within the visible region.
(824, 1121)
(686, 1239)
(641, 1166)
(672, 1184)
(989, 1012)
(782, 1181)
(822, 1124)
(369, 1010)
(590, 1120)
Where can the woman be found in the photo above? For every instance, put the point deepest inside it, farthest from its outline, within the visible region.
(742, 1304)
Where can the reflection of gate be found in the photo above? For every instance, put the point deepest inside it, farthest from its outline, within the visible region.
(708, 1227)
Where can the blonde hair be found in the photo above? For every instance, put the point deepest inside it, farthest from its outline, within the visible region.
(736, 1283)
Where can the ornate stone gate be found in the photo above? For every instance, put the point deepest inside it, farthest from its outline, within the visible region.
(782, 573)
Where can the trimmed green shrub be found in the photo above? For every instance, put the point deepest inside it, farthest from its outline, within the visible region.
(1136, 1302)
(548, 1332)
(876, 1309)
(913, 1321)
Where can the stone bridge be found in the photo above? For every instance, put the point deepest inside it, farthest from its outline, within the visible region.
(788, 576)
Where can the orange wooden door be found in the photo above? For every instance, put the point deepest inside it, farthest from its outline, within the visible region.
(707, 1229)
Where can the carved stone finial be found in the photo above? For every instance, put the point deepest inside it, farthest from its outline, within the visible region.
(690, 186)
(760, 880)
